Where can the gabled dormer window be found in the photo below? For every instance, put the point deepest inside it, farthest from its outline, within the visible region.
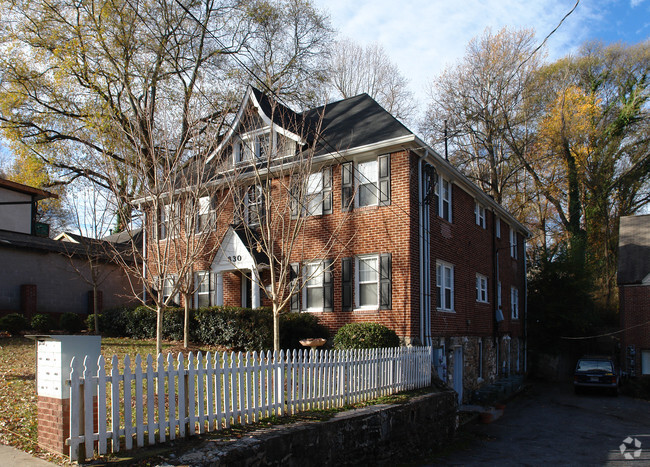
(253, 146)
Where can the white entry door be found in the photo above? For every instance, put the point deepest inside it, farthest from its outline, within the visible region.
(458, 372)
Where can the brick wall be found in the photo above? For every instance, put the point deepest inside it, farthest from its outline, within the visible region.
(53, 423)
(634, 305)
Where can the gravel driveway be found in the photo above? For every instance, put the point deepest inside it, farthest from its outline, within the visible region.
(549, 425)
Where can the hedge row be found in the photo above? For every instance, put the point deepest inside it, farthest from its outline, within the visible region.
(230, 327)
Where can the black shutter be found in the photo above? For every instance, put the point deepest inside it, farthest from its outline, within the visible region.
(293, 194)
(385, 292)
(384, 180)
(346, 284)
(328, 286)
(327, 190)
(294, 274)
(347, 186)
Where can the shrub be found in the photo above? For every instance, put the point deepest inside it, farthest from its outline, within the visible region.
(71, 322)
(235, 328)
(141, 323)
(41, 322)
(13, 323)
(173, 323)
(365, 336)
(297, 326)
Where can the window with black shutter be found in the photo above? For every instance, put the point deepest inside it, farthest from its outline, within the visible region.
(384, 180)
(294, 276)
(346, 283)
(385, 285)
(347, 186)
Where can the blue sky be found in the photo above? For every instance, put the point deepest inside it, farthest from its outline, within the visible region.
(424, 36)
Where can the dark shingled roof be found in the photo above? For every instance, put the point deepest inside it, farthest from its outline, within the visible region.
(86, 246)
(633, 249)
(354, 122)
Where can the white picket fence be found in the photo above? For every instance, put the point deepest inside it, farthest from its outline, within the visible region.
(178, 398)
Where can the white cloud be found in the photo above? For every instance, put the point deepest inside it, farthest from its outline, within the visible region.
(635, 3)
(422, 37)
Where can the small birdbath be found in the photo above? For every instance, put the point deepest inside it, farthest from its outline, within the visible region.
(313, 342)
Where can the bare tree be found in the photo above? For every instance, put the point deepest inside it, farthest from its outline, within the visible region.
(355, 70)
(280, 192)
(92, 258)
(72, 72)
(483, 102)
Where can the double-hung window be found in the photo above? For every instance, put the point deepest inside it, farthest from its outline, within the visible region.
(370, 179)
(203, 295)
(514, 302)
(513, 243)
(318, 286)
(205, 215)
(497, 226)
(445, 286)
(317, 198)
(479, 214)
(645, 362)
(253, 146)
(481, 288)
(368, 281)
(443, 193)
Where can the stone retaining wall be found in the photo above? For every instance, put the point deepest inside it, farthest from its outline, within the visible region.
(380, 434)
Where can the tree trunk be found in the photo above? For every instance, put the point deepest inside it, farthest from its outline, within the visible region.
(159, 325)
(186, 322)
(95, 306)
(276, 328)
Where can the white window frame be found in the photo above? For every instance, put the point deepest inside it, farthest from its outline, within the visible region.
(479, 214)
(514, 302)
(362, 180)
(198, 293)
(645, 369)
(513, 243)
(250, 146)
(312, 280)
(481, 288)
(441, 283)
(358, 282)
(444, 196)
(314, 194)
(497, 224)
(205, 211)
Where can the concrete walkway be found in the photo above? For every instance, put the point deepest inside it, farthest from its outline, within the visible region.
(16, 458)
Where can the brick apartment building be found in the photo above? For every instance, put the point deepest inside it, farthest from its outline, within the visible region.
(414, 245)
(634, 293)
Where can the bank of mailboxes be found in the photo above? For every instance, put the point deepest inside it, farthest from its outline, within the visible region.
(54, 354)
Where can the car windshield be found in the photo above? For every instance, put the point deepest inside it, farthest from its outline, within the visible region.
(594, 365)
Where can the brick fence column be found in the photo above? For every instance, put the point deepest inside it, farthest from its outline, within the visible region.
(53, 357)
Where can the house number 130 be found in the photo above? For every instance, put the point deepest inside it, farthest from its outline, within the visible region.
(234, 259)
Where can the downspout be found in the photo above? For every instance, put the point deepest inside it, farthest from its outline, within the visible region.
(525, 310)
(425, 259)
(421, 243)
(495, 287)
